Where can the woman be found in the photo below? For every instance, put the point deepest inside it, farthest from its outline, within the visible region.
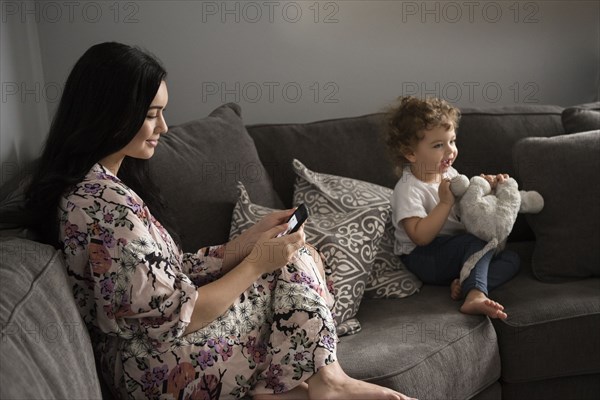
(248, 317)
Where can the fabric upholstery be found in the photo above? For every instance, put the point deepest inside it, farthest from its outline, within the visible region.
(581, 387)
(46, 351)
(581, 118)
(197, 166)
(543, 318)
(327, 194)
(423, 346)
(347, 242)
(561, 169)
(492, 392)
(351, 147)
(485, 137)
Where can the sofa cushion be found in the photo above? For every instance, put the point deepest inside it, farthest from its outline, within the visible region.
(580, 387)
(581, 118)
(492, 392)
(422, 346)
(486, 137)
(563, 170)
(347, 242)
(46, 350)
(197, 166)
(327, 193)
(351, 147)
(552, 328)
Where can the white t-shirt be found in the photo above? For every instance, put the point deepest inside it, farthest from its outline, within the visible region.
(415, 198)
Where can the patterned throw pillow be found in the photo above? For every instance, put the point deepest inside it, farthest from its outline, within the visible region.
(348, 242)
(324, 194)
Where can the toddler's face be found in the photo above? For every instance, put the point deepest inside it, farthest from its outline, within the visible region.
(435, 153)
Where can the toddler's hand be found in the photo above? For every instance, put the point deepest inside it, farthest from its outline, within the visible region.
(446, 195)
(494, 180)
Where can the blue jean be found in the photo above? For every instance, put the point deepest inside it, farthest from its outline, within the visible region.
(440, 262)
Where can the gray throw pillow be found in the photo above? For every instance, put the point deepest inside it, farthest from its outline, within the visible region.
(582, 118)
(197, 166)
(325, 194)
(347, 241)
(564, 170)
(46, 350)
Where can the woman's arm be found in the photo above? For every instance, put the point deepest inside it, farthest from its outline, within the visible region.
(268, 254)
(211, 263)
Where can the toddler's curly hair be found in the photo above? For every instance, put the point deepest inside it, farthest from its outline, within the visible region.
(407, 120)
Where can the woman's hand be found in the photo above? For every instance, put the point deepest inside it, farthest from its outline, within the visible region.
(237, 249)
(272, 220)
(270, 252)
(495, 180)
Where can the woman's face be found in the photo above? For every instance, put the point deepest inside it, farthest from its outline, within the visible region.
(146, 140)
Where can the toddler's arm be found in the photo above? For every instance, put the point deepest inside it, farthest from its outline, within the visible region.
(423, 230)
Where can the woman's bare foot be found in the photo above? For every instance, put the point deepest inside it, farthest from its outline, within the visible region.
(331, 383)
(478, 303)
(455, 290)
(300, 392)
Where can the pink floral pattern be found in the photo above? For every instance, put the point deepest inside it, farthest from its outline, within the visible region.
(136, 292)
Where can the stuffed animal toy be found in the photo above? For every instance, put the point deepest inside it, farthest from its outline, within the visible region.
(490, 215)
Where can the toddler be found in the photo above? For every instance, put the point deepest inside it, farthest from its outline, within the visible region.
(429, 237)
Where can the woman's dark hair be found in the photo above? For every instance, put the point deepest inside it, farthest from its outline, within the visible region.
(103, 106)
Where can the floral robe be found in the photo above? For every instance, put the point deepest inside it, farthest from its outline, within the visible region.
(136, 292)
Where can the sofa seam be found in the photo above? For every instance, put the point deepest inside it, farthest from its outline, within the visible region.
(546, 377)
(509, 114)
(550, 320)
(478, 327)
(29, 293)
(482, 113)
(483, 388)
(275, 125)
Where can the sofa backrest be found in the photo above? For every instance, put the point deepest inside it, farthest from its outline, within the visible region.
(354, 147)
(350, 147)
(45, 347)
(486, 137)
(198, 164)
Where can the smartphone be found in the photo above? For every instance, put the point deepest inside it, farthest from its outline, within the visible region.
(296, 220)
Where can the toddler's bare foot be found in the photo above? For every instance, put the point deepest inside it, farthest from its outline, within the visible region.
(478, 303)
(332, 383)
(300, 392)
(455, 290)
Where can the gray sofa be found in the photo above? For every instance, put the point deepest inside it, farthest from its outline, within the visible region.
(548, 348)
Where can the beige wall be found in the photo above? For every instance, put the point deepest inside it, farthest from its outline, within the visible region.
(306, 60)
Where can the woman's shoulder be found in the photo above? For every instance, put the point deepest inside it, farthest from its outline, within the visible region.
(101, 187)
